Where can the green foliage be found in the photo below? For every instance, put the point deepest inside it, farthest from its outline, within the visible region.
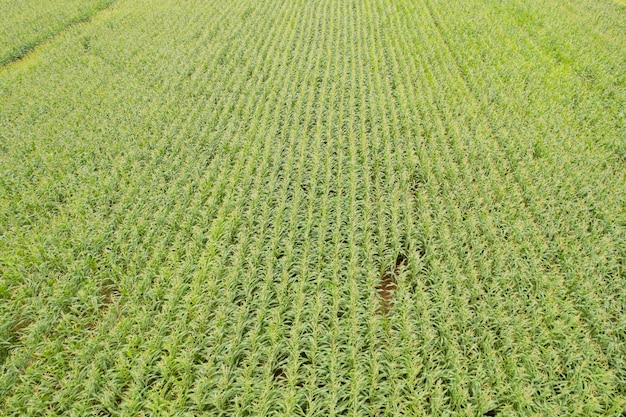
(24, 24)
(362, 207)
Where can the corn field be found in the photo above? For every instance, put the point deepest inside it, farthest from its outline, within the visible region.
(313, 208)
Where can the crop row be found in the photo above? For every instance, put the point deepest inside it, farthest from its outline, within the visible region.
(363, 207)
